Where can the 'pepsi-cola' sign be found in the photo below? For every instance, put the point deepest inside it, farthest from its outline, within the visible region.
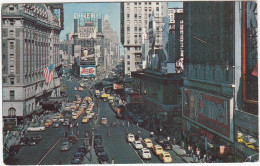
(87, 71)
(213, 112)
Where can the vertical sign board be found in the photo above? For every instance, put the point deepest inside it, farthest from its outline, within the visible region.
(210, 111)
(87, 71)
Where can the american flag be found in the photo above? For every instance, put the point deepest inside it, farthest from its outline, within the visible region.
(48, 73)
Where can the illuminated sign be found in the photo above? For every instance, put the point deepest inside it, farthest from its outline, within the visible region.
(210, 111)
(87, 71)
(136, 98)
(85, 15)
(118, 85)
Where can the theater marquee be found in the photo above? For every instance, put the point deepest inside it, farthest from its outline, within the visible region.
(212, 112)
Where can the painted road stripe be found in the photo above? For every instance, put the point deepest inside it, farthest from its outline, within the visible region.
(48, 151)
(136, 152)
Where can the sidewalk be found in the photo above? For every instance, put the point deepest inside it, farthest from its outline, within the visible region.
(179, 152)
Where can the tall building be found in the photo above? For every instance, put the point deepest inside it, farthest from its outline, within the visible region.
(214, 112)
(135, 20)
(30, 43)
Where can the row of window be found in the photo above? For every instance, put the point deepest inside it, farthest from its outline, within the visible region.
(146, 3)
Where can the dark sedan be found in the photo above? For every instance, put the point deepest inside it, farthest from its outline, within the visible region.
(167, 145)
(24, 141)
(103, 158)
(99, 149)
(79, 155)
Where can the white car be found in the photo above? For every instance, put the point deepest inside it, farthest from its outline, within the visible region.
(130, 137)
(145, 153)
(138, 145)
(40, 128)
(61, 119)
(89, 116)
(54, 119)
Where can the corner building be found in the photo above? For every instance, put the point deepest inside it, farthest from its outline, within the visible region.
(30, 43)
(212, 92)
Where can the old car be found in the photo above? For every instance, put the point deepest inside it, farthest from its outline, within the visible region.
(65, 146)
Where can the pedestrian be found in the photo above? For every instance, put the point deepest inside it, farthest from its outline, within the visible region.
(112, 161)
(168, 138)
(108, 132)
(127, 123)
(137, 124)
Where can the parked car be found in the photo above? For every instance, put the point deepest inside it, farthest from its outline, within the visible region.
(99, 149)
(65, 146)
(145, 153)
(159, 139)
(39, 128)
(165, 157)
(83, 149)
(102, 158)
(24, 141)
(73, 139)
(167, 145)
(147, 143)
(157, 149)
(33, 141)
(79, 155)
(56, 124)
(97, 136)
(76, 161)
(130, 137)
(97, 142)
(138, 145)
(66, 122)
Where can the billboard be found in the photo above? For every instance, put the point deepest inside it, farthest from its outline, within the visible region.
(136, 98)
(118, 85)
(87, 71)
(210, 111)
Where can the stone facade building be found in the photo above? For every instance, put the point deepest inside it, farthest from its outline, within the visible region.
(30, 43)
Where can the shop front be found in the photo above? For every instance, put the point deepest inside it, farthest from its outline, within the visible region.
(207, 123)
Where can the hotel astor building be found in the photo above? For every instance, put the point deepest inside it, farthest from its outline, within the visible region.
(30, 43)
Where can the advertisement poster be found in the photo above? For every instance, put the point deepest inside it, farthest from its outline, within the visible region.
(87, 71)
(210, 111)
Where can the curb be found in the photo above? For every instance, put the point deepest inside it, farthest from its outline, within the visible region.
(180, 156)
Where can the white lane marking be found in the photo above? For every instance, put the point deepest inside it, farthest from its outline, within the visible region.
(48, 151)
(136, 152)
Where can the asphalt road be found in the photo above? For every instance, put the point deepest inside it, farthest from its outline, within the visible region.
(47, 151)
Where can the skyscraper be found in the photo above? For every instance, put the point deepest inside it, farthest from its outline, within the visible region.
(135, 20)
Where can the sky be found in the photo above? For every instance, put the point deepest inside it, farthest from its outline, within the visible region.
(111, 9)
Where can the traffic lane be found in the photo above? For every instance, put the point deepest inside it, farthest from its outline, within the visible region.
(134, 129)
(56, 156)
(115, 145)
(31, 155)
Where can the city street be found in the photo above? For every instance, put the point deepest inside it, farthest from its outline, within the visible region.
(115, 145)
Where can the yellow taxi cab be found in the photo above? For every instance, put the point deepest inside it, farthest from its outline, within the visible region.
(48, 123)
(147, 143)
(85, 119)
(165, 157)
(74, 102)
(78, 112)
(157, 149)
(79, 101)
(88, 110)
(81, 109)
(75, 116)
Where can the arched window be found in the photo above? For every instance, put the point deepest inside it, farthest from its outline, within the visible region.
(12, 112)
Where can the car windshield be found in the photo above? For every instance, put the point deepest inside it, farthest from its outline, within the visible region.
(167, 155)
(146, 152)
(159, 148)
(138, 143)
(148, 142)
